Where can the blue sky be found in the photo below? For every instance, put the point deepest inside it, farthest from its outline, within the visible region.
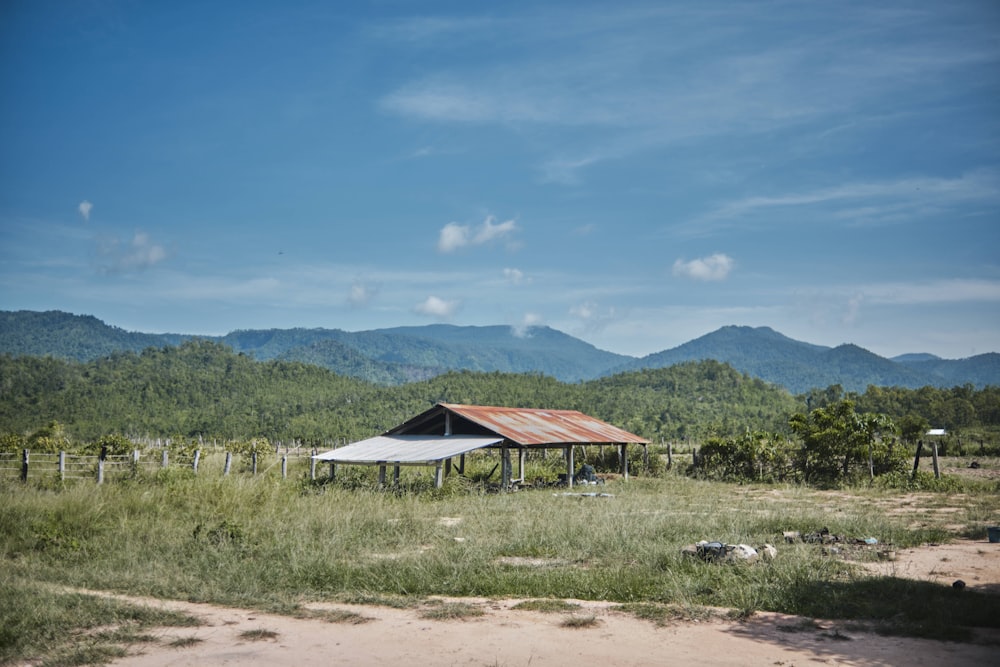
(636, 174)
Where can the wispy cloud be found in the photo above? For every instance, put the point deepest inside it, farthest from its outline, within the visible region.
(592, 317)
(437, 307)
(874, 202)
(523, 328)
(362, 293)
(684, 72)
(84, 209)
(712, 268)
(455, 236)
(136, 255)
(515, 276)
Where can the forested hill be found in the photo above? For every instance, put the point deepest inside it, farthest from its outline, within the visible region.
(407, 354)
(769, 355)
(202, 388)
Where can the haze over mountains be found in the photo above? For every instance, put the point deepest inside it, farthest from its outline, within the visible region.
(405, 354)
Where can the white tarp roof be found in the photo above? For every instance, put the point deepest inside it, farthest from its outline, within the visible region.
(407, 449)
(937, 431)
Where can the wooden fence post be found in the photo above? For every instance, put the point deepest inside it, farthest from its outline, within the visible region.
(934, 457)
(670, 455)
(165, 459)
(312, 465)
(197, 457)
(24, 465)
(229, 463)
(916, 459)
(284, 466)
(253, 462)
(62, 466)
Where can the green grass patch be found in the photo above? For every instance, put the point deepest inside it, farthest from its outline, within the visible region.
(450, 611)
(40, 623)
(546, 606)
(271, 544)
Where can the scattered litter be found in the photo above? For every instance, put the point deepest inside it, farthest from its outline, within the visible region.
(715, 552)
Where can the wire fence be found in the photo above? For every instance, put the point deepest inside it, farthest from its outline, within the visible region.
(65, 466)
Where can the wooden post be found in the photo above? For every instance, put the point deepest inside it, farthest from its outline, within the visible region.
(461, 464)
(284, 466)
(381, 476)
(197, 457)
(624, 459)
(522, 463)
(24, 465)
(934, 457)
(312, 465)
(333, 471)
(670, 455)
(62, 466)
(253, 462)
(569, 466)
(165, 459)
(228, 464)
(645, 458)
(136, 455)
(101, 458)
(438, 475)
(504, 466)
(916, 459)
(395, 476)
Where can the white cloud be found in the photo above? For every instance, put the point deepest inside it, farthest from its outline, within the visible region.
(436, 307)
(712, 268)
(361, 294)
(515, 276)
(138, 254)
(84, 209)
(592, 317)
(454, 236)
(523, 328)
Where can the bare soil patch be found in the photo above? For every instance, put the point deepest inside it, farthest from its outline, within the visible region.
(504, 635)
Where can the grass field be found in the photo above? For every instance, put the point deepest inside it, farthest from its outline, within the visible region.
(274, 544)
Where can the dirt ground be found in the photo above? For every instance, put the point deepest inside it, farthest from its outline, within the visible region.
(503, 636)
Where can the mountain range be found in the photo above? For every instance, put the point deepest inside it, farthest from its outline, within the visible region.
(405, 354)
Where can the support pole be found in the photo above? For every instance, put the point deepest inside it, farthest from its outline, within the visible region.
(62, 466)
(165, 458)
(934, 456)
(312, 466)
(623, 455)
(569, 466)
(24, 465)
(438, 476)
(381, 476)
(229, 463)
(916, 459)
(284, 466)
(197, 459)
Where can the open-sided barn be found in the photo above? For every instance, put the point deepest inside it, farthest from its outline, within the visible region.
(447, 430)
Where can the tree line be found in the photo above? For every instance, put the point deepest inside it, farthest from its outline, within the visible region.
(203, 389)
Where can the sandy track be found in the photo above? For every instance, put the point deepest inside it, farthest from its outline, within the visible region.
(505, 636)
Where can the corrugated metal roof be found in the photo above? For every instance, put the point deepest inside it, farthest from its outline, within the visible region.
(407, 449)
(531, 426)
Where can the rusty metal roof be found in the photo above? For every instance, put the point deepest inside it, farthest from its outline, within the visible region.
(407, 449)
(534, 427)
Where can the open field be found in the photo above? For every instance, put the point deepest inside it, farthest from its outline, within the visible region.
(297, 556)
